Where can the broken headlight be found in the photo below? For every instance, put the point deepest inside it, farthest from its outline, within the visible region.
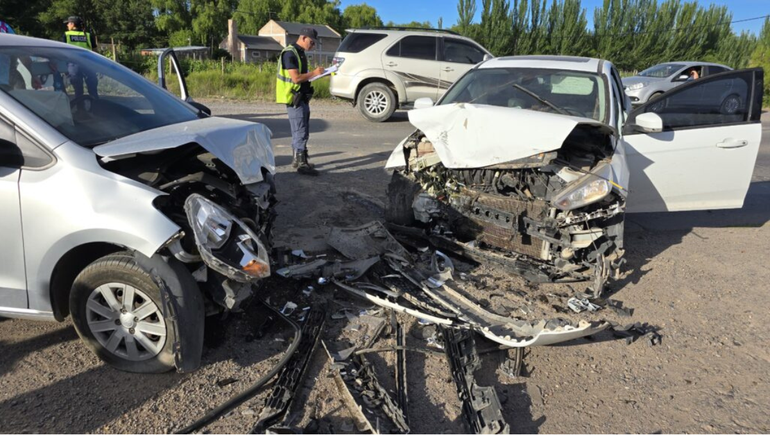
(226, 244)
(586, 190)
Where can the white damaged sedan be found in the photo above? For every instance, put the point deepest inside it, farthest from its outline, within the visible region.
(532, 162)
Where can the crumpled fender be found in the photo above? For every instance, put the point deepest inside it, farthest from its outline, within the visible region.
(182, 303)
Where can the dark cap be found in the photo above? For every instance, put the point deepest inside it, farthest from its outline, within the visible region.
(309, 32)
(74, 19)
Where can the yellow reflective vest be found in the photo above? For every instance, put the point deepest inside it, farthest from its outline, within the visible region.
(284, 86)
(78, 38)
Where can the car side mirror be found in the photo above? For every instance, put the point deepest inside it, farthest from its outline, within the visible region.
(423, 103)
(682, 78)
(202, 109)
(648, 123)
(10, 155)
(487, 57)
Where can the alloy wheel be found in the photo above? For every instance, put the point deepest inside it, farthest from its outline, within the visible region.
(126, 321)
(376, 102)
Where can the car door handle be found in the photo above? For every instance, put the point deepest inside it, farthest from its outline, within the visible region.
(391, 64)
(732, 143)
(447, 69)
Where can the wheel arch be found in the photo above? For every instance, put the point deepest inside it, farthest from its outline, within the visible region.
(68, 268)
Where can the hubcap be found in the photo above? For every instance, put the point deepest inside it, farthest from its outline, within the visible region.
(126, 321)
(376, 102)
(731, 105)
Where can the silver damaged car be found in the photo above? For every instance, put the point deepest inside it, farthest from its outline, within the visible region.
(125, 207)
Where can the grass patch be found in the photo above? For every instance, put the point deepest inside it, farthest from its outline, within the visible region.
(237, 81)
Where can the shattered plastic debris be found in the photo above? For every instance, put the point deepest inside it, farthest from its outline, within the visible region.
(580, 305)
(288, 309)
(299, 253)
(633, 331)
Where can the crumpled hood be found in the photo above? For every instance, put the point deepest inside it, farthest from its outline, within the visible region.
(468, 135)
(243, 146)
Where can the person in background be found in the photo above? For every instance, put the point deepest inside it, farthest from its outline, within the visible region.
(5, 28)
(293, 89)
(75, 35)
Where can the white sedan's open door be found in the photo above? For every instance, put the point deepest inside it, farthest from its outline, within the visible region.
(704, 153)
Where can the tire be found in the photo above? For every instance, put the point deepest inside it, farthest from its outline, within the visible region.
(376, 102)
(130, 336)
(730, 105)
(656, 107)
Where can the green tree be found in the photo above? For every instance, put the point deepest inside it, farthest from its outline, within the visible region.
(251, 15)
(128, 22)
(209, 22)
(466, 10)
(363, 15)
(23, 15)
(761, 56)
(412, 24)
(51, 19)
(496, 27)
(567, 31)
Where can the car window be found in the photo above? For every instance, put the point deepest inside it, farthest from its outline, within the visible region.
(711, 69)
(723, 100)
(662, 70)
(544, 90)
(358, 42)
(18, 145)
(85, 96)
(415, 47)
(459, 51)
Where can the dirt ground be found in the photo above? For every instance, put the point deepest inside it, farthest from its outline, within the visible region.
(705, 288)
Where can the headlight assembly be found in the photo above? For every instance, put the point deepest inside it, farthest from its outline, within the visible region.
(586, 190)
(636, 86)
(226, 244)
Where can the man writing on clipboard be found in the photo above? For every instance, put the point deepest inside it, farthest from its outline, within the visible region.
(293, 89)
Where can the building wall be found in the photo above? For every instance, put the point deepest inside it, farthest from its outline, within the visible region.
(257, 56)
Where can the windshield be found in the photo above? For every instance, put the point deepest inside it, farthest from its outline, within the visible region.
(85, 96)
(662, 70)
(546, 90)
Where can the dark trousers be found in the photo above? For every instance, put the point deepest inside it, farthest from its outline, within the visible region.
(77, 75)
(299, 118)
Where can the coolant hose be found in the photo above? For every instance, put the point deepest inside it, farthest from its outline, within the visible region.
(256, 387)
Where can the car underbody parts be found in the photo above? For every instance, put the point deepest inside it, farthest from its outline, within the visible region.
(278, 402)
(256, 387)
(480, 405)
(401, 386)
(364, 242)
(357, 381)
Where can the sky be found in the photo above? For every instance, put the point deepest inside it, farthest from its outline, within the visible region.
(404, 11)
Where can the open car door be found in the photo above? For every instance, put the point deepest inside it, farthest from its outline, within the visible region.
(171, 78)
(695, 147)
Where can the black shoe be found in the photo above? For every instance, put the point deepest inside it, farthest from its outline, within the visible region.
(297, 158)
(305, 158)
(303, 167)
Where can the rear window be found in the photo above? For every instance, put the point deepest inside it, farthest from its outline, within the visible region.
(415, 47)
(358, 42)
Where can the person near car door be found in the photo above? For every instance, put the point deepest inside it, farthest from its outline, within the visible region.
(75, 35)
(294, 90)
(5, 28)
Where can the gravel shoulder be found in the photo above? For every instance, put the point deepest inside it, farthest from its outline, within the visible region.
(704, 286)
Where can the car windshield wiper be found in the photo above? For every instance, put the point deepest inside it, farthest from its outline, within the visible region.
(540, 99)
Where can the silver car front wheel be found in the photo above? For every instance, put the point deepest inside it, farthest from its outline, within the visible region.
(126, 321)
(117, 311)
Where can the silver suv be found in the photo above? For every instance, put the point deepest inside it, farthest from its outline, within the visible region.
(384, 69)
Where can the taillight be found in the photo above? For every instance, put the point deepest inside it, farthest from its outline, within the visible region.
(337, 61)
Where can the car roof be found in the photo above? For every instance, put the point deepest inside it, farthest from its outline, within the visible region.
(410, 31)
(571, 63)
(691, 62)
(8, 40)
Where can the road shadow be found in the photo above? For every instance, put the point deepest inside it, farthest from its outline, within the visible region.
(99, 395)
(279, 123)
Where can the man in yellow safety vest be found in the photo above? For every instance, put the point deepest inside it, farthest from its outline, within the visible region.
(75, 35)
(293, 89)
